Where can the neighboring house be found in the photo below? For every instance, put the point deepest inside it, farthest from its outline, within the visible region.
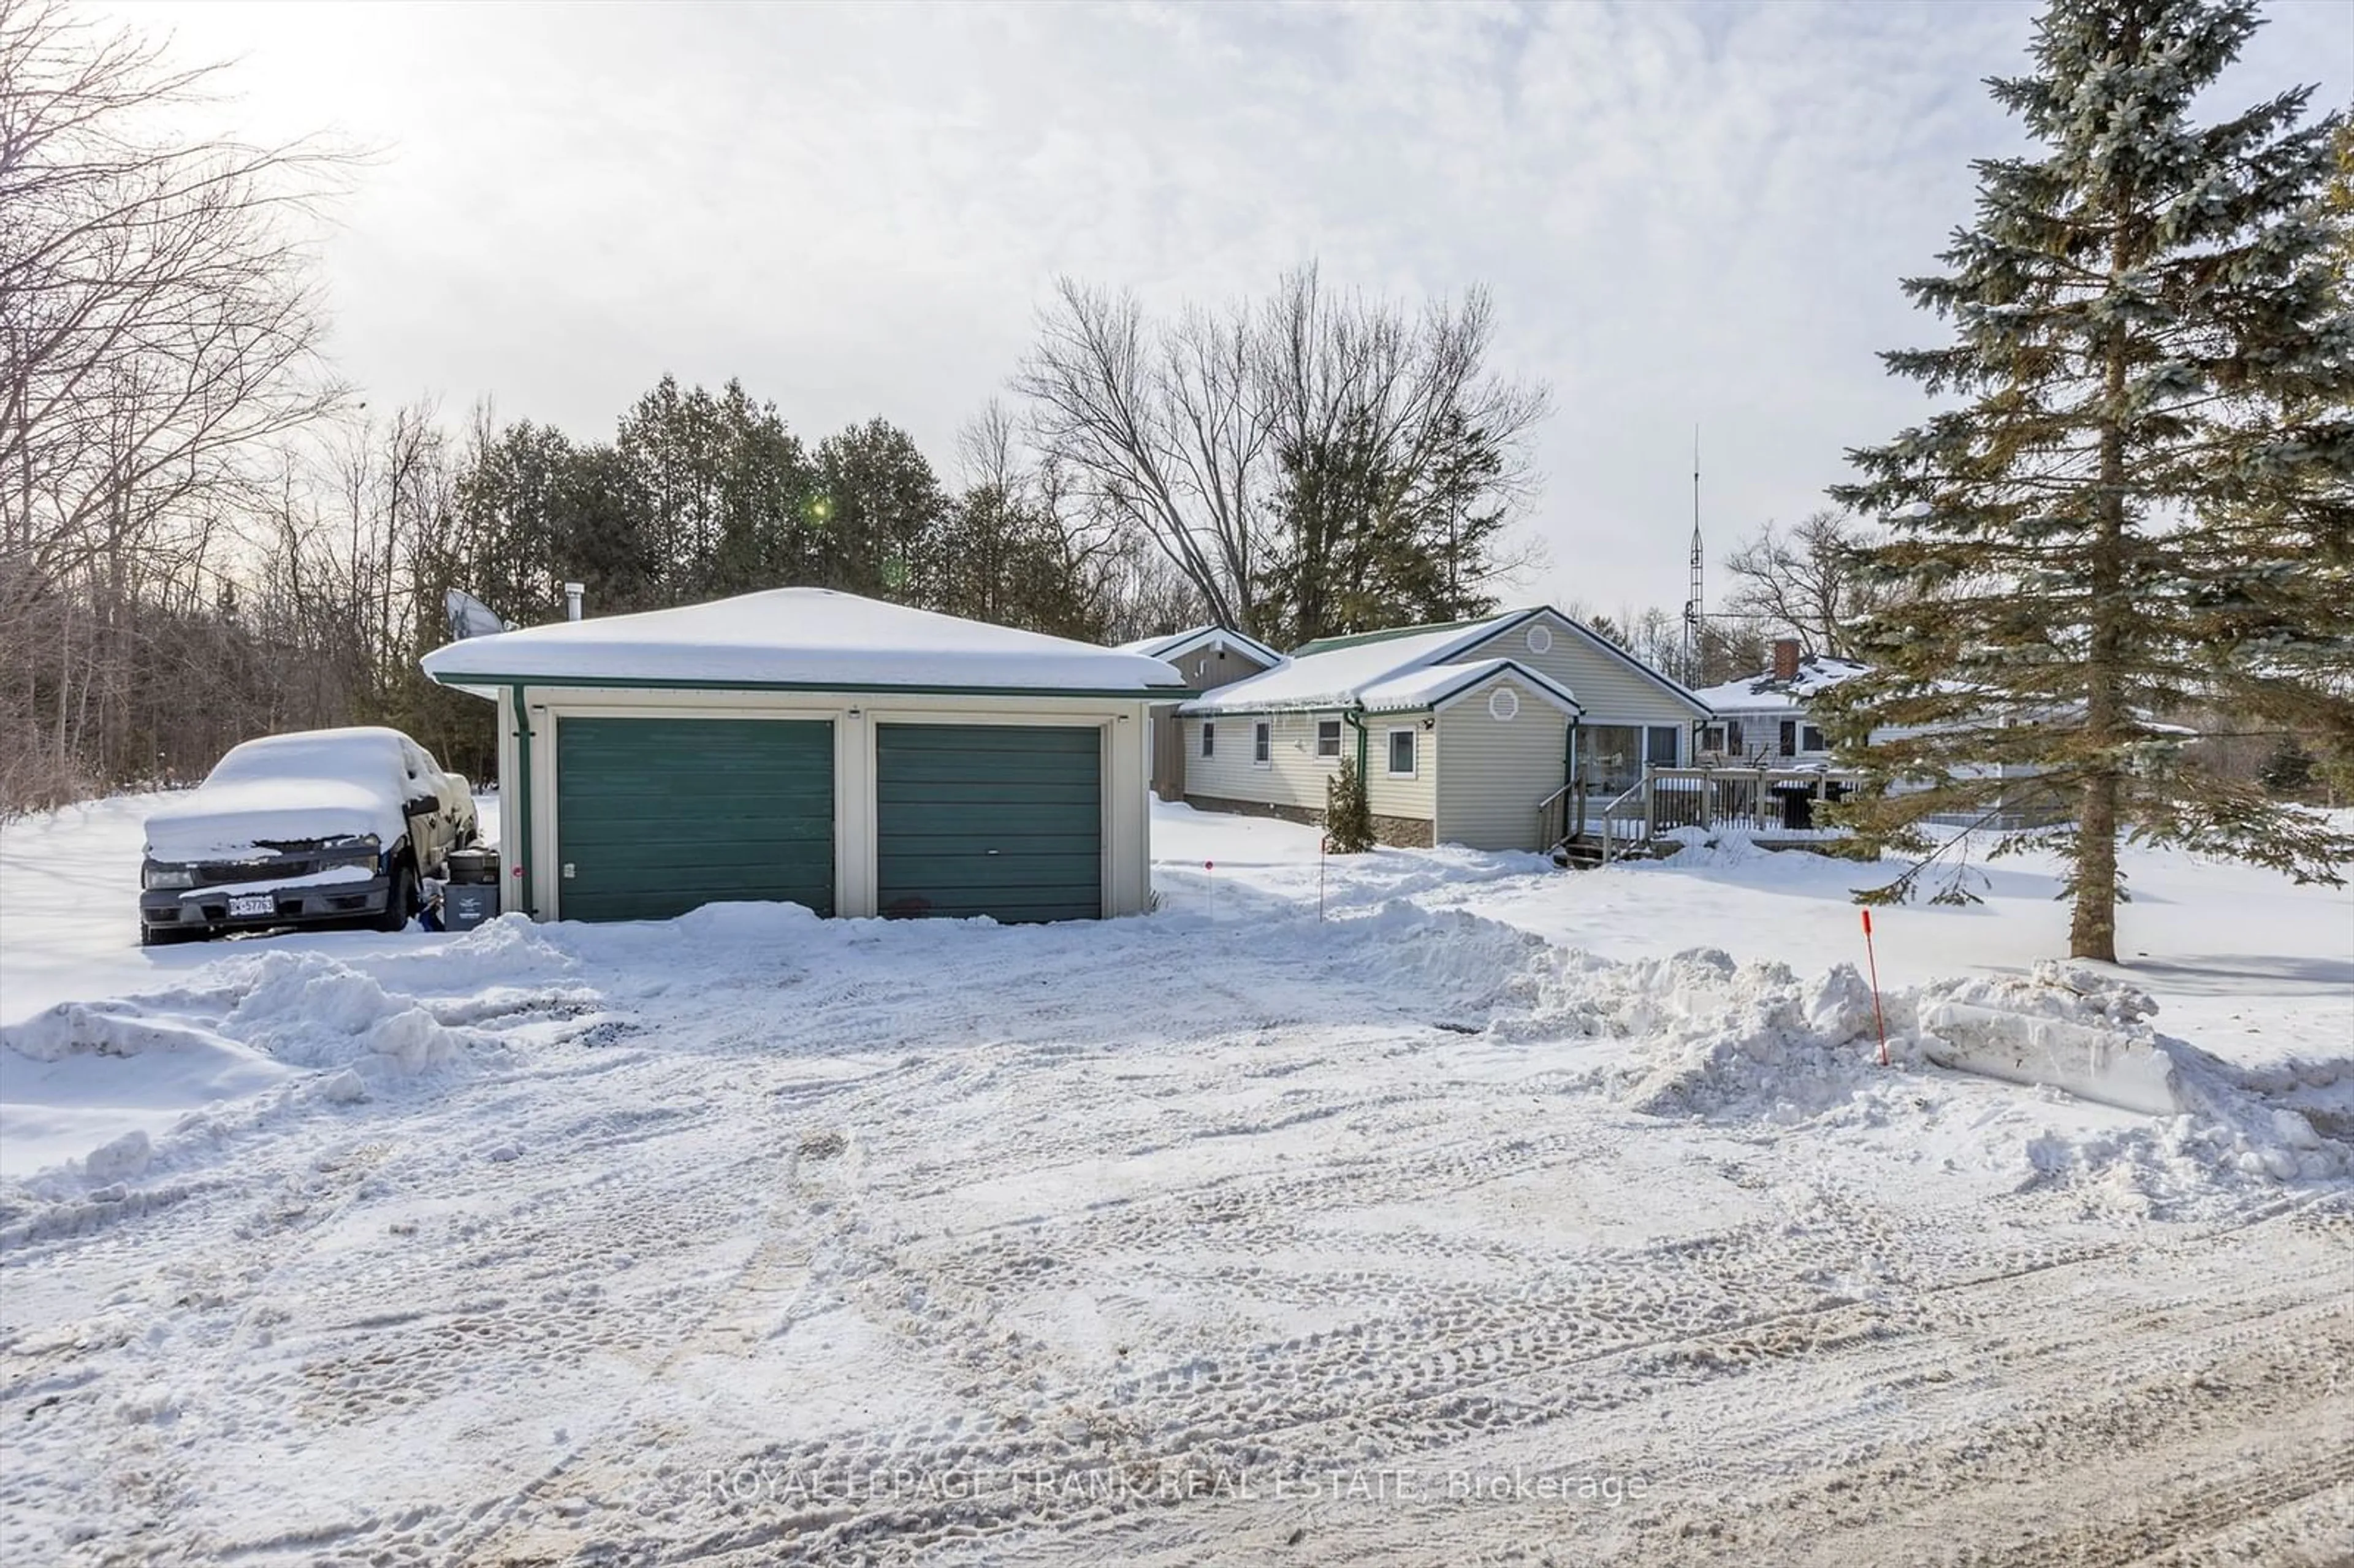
(1207, 657)
(801, 744)
(1467, 732)
(1763, 719)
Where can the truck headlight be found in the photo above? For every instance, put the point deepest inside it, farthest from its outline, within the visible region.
(170, 876)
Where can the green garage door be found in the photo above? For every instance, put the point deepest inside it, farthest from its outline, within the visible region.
(998, 820)
(654, 817)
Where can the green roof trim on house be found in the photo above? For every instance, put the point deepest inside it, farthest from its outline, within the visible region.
(1359, 639)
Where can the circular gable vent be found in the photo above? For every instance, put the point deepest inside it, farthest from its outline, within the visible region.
(1503, 703)
(1540, 640)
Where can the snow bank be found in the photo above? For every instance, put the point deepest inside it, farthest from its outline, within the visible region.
(1712, 1036)
(2066, 1029)
(1707, 1037)
(506, 950)
(310, 1011)
(1459, 962)
(124, 1027)
(2076, 1028)
(256, 1035)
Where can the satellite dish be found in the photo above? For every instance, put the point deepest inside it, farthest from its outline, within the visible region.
(470, 616)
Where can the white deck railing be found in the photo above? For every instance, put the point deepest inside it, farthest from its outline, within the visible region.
(1761, 799)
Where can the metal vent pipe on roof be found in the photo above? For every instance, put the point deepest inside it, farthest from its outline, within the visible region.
(572, 592)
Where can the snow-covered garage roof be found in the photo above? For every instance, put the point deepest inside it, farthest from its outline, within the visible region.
(801, 637)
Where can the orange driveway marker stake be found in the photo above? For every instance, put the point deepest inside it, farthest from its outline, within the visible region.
(1878, 1020)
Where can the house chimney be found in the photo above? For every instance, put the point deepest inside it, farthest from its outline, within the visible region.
(1785, 659)
(572, 592)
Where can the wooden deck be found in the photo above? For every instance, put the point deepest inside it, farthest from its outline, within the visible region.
(1779, 807)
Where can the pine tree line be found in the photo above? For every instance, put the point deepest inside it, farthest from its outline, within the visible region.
(310, 604)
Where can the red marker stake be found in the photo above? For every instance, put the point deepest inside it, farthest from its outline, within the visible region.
(1869, 958)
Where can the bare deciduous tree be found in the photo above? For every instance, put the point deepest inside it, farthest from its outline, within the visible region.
(1194, 436)
(1164, 432)
(1803, 580)
(157, 332)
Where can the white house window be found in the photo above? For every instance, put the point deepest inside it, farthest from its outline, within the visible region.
(1262, 743)
(1661, 744)
(1209, 738)
(1540, 640)
(1328, 737)
(1503, 705)
(1712, 737)
(1402, 753)
(1810, 739)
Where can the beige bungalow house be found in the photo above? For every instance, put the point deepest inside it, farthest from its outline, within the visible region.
(1469, 732)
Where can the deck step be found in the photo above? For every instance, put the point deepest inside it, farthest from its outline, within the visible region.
(1586, 853)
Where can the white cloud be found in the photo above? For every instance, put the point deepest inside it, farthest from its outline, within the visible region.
(1688, 214)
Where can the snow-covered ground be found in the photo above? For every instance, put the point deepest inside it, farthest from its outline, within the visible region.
(1499, 1213)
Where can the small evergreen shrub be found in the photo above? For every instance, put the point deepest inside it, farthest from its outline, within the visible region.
(1348, 820)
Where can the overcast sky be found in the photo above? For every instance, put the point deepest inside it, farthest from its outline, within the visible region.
(1688, 214)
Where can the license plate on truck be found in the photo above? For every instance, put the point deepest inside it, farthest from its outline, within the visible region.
(246, 905)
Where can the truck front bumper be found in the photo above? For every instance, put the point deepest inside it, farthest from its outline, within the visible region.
(209, 909)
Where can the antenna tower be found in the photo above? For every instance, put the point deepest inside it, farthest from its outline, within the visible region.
(1695, 606)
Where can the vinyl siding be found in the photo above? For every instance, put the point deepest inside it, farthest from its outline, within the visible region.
(1610, 690)
(1204, 670)
(1388, 797)
(1296, 776)
(1496, 770)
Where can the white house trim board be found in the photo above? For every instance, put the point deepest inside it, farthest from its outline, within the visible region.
(1595, 640)
(1488, 673)
(1178, 644)
(1406, 671)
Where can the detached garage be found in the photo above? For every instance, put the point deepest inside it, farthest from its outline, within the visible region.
(819, 748)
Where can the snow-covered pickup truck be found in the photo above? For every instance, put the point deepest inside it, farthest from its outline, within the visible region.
(323, 826)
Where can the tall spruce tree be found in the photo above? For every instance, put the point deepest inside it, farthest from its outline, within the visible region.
(2140, 502)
